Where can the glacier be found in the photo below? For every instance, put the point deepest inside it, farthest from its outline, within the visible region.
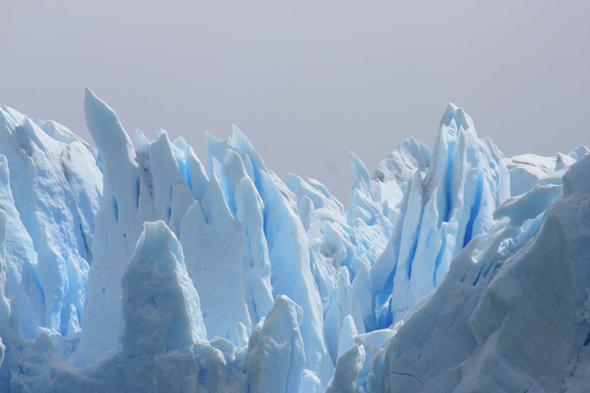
(132, 266)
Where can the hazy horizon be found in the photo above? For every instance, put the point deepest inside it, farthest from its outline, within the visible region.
(307, 82)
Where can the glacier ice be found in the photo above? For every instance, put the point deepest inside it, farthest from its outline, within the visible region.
(438, 215)
(504, 319)
(133, 267)
(51, 191)
(347, 369)
(276, 353)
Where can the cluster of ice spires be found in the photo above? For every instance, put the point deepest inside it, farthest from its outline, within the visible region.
(137, 269)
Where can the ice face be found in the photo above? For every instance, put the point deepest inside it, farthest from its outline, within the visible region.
(162, 319)
(138, 269)
(219, 250)
(439, 214)
(343, 320)
(277, 354)
(167, 310)
(347, 369)
(507, 316)
(51, 190)
(140, 186)
(6, 310)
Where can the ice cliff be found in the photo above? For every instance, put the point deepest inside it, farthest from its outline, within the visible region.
(134, 267)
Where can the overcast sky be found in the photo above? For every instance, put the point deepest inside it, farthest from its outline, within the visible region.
(307, 82)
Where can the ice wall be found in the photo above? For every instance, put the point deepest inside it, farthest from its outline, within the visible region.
(50, 189)
(132, 268)
(510, 315)
(439, 215)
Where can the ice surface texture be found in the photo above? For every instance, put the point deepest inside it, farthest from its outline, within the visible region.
(136, 268)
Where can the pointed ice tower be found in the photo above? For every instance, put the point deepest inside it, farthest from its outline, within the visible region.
(228, 250)
(439, 215)
(161, 306)
(375, 203)
(276, 353)
(286, 239)
(162, 319)
(513, 312)
(140, 186)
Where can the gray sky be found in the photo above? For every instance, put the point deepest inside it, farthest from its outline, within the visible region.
(307, 82)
